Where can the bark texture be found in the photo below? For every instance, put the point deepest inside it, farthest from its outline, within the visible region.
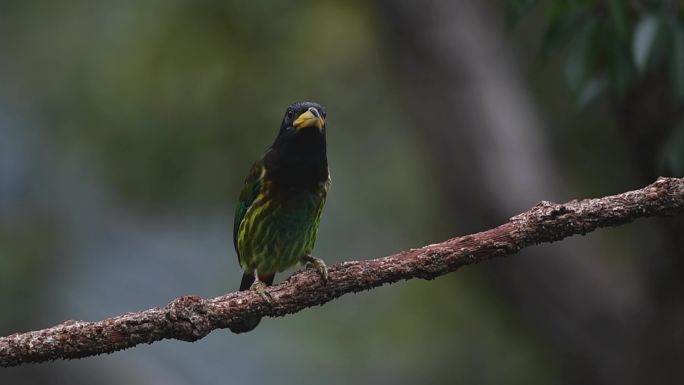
(190, 318)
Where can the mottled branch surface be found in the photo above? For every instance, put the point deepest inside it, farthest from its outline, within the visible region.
(190, 318)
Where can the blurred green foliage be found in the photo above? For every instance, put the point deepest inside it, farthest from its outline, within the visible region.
(609, 46)
(167, 102)
(165, 97)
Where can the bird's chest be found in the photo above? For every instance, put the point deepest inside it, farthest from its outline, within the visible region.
(294, 209)
(280, 228)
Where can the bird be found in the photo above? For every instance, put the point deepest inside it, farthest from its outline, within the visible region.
(280, 204)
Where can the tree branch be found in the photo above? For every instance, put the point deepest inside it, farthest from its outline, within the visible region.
(190, 318)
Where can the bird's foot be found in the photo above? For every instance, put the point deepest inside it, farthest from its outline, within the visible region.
(318, 264)
(261, 289)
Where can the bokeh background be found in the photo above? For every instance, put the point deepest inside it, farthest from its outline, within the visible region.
(126, 129)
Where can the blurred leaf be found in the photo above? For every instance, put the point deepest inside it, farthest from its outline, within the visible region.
(619, 17)
(579, 62)
(591, 90)
(560, 31)
(644, 38)
(563, 7)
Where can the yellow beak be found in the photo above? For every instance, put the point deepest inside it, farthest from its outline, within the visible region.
(310, 118)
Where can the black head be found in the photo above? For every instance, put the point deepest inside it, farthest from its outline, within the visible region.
(303, 118)
(299, 151)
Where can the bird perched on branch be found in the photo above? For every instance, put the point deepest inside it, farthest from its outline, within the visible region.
(277, 216)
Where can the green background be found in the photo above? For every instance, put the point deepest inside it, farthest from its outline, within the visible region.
(126, 129)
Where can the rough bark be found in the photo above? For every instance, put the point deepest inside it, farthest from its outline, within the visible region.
(190, 318)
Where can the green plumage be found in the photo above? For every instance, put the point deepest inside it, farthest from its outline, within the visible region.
(275, 229)
(280, 205)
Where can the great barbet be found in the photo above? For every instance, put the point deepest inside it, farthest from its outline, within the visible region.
(280, 205)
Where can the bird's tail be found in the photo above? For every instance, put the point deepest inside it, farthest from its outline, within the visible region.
(247, 281)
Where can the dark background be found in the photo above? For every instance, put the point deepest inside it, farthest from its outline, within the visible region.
(126, 129)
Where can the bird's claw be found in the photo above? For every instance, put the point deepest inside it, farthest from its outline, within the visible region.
(261, 289)
(319, 265)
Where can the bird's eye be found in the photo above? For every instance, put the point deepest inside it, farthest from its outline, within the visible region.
(289, 114)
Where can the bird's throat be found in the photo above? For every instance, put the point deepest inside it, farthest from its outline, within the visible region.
(298, 162)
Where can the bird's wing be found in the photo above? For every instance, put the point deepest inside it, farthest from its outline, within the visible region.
(250, 191)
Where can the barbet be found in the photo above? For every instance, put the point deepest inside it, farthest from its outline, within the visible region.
(280, 205)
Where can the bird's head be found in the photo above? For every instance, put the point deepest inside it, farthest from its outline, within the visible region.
(300, 145)
(302, 117)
